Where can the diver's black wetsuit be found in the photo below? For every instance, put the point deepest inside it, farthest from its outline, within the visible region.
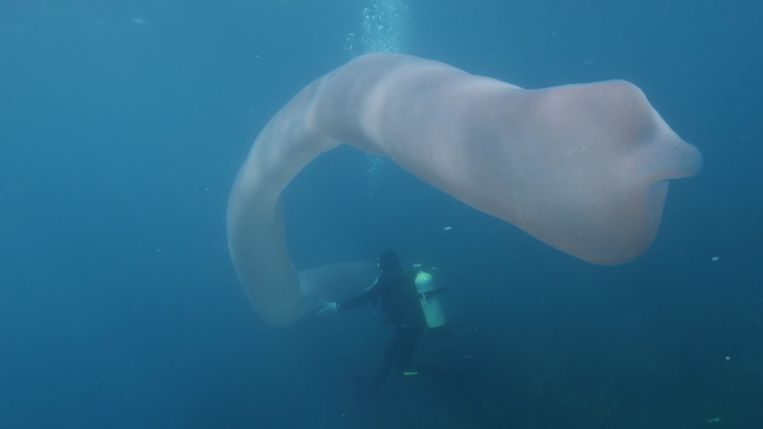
(395, 291)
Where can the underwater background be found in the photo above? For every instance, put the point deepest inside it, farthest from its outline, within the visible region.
(123, 124)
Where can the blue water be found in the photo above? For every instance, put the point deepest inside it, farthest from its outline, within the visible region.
(122, 125)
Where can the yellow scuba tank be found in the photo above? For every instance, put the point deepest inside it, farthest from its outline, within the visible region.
(430, 300)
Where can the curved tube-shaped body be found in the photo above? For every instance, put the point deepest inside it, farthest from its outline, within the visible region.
(584, 168)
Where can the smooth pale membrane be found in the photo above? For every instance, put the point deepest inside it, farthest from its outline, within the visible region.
(584, 168)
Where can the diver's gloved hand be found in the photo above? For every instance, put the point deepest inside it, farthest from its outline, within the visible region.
(328, 307)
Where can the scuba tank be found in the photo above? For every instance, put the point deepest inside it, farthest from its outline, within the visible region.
(429, 298)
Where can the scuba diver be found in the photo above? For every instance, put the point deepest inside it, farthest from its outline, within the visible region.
(397, 294)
